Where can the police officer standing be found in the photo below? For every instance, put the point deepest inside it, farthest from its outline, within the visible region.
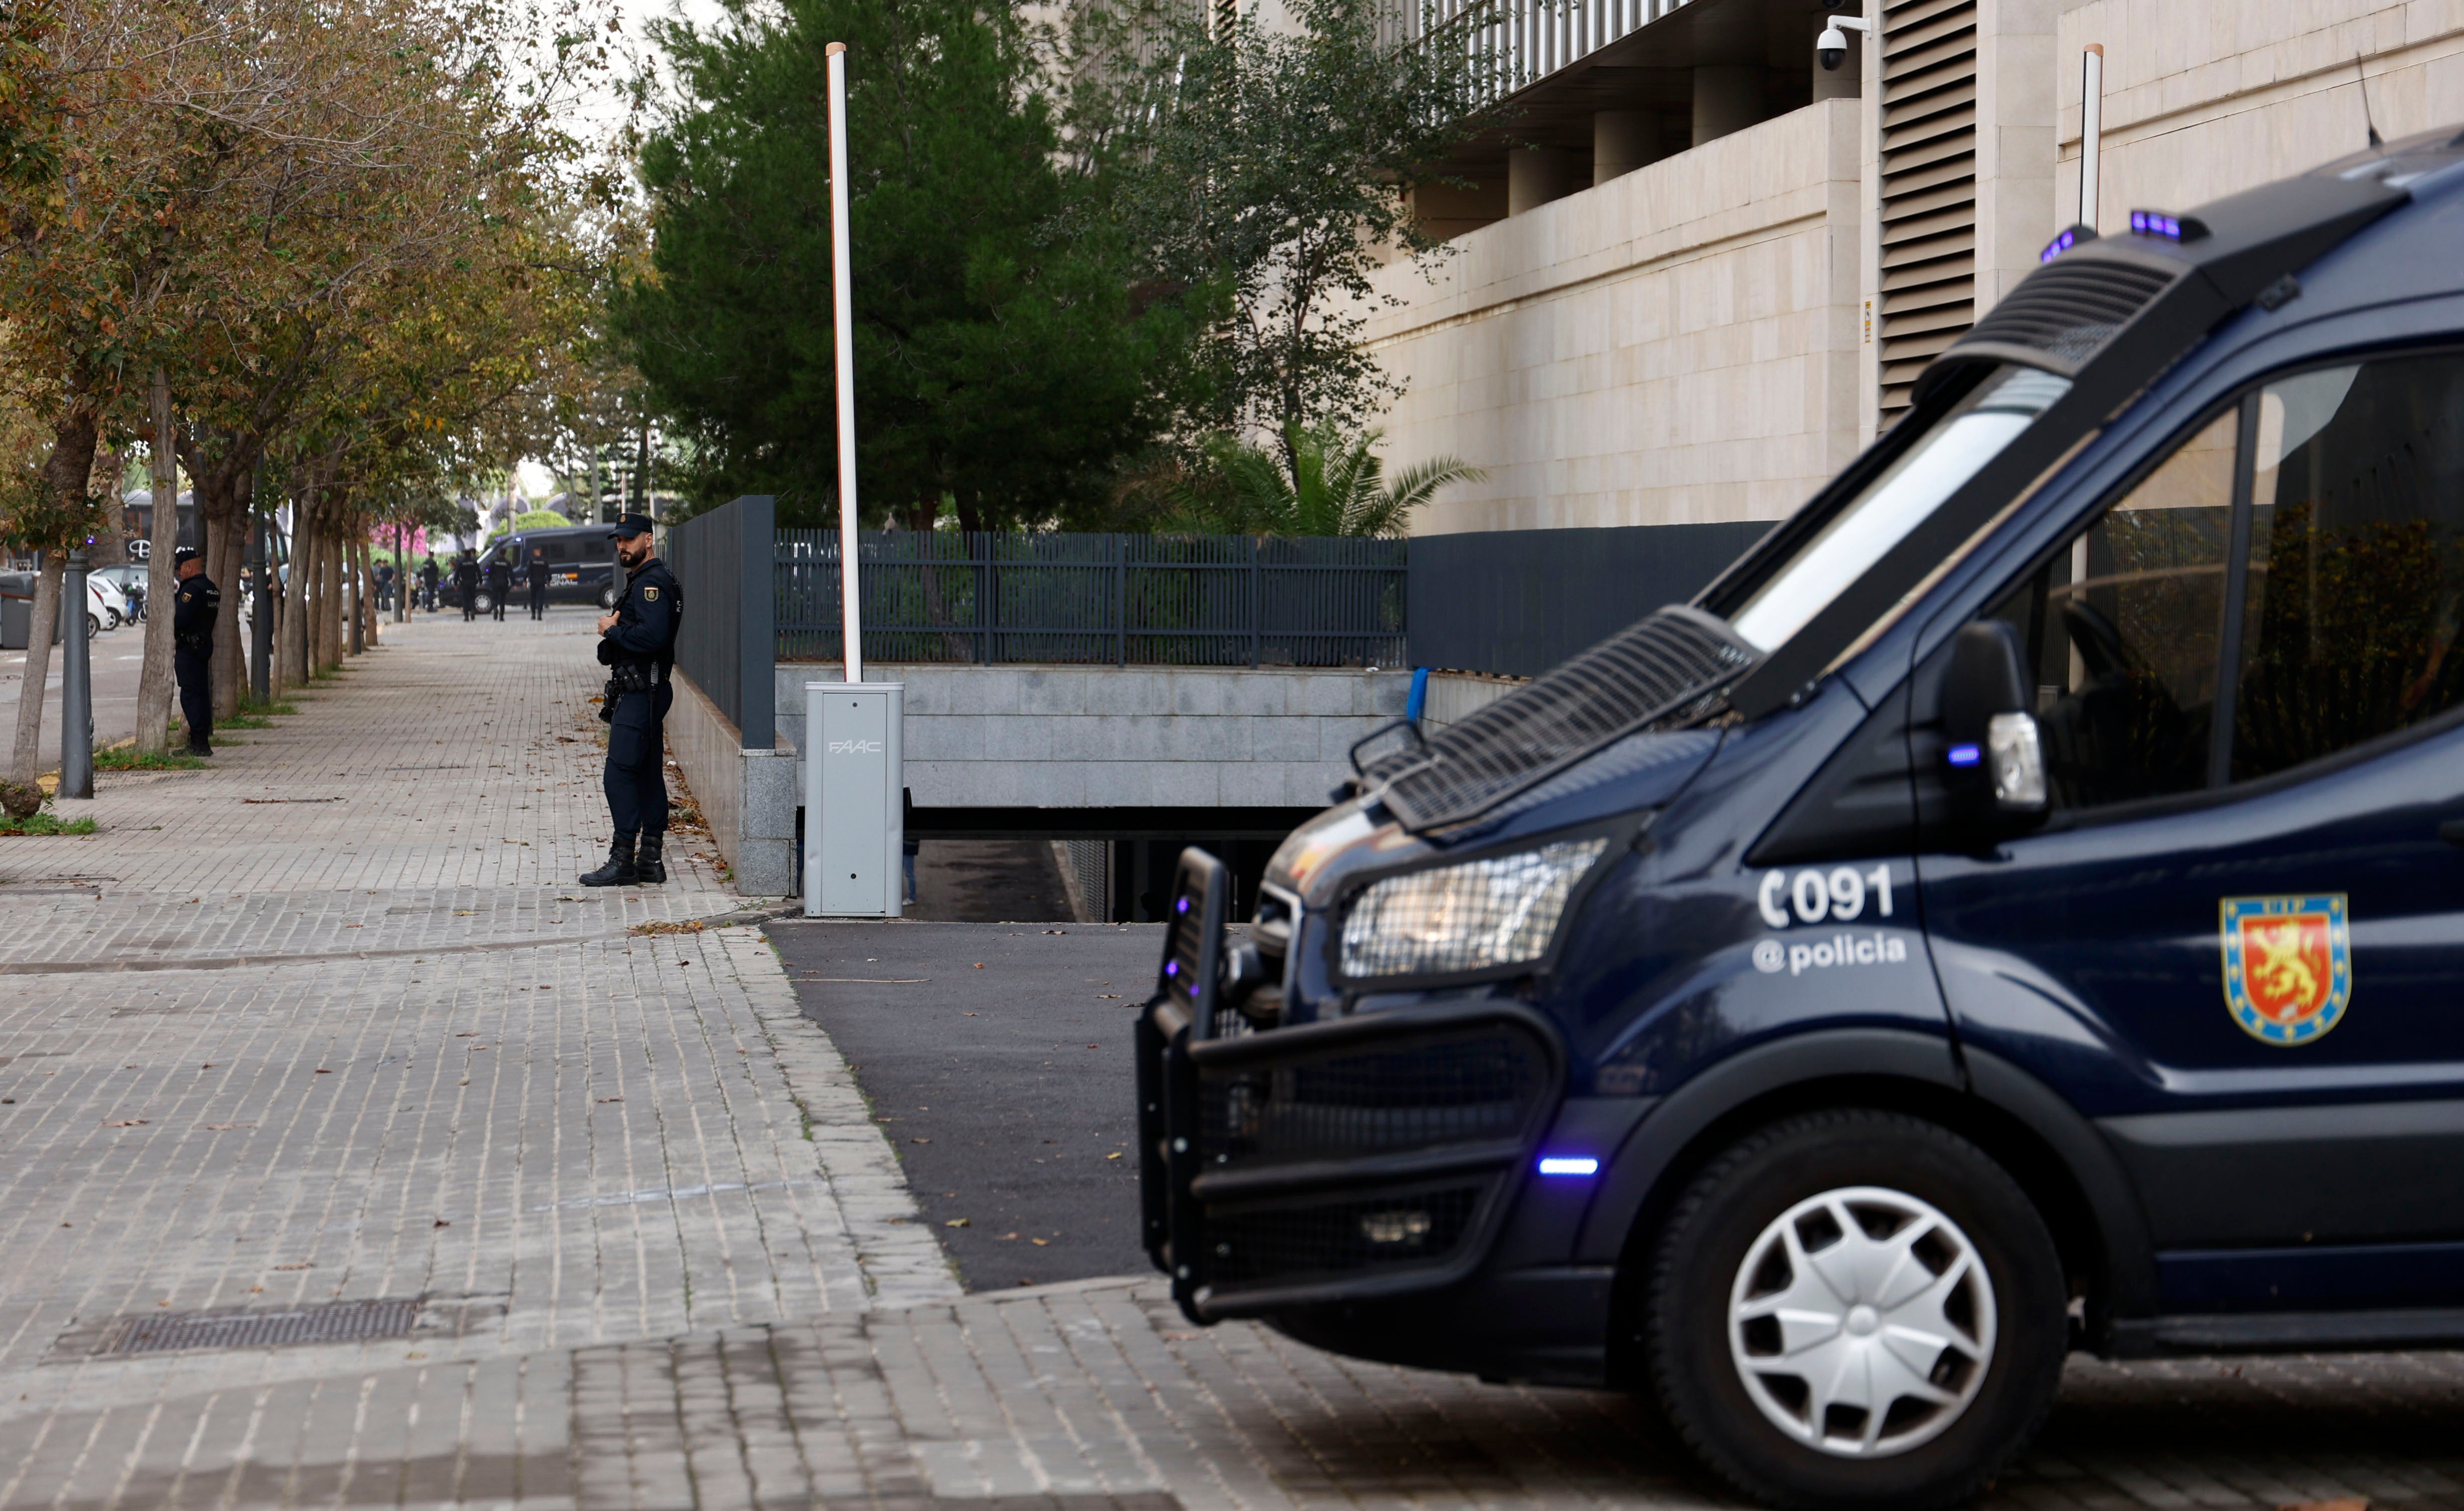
(637, 645)
(465, 582)
(427, 575)
(539, 582)
(501, 585)
(195, 605)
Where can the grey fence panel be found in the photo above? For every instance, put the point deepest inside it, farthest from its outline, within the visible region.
(722, 559)
(1216, 601)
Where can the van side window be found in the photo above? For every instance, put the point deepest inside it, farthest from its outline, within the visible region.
(2355, 603)
(2124, 630)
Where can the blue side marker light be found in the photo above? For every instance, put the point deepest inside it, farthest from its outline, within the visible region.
(1181, 906)
(2062, 243)
(1172, 967)
(1966, 754)
(1568, 1164)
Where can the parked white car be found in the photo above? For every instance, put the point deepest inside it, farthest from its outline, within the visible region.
(109, 604)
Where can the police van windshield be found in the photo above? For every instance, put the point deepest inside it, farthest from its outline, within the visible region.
(1967, 436)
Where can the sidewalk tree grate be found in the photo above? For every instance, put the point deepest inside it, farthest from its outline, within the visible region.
(340, 1322)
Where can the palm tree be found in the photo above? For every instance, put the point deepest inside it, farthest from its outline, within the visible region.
(1335, 485)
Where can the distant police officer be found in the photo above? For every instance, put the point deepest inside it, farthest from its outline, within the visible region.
(637, 645)
(539, 582)
(466, 582)
(501, 585)
(195, 605)
(427, 575)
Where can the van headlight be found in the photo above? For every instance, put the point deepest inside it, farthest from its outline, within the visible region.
(1480, 914)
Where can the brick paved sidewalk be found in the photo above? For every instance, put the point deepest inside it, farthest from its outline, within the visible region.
(647, 1247)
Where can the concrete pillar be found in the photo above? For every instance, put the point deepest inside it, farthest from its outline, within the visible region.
(1727, 96)
(1623, 141)
(1537, 175)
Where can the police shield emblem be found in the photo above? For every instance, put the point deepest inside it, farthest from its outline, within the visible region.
(652, 593)
(2288, 965)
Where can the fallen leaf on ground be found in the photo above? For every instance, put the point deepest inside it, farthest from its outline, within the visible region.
(303, 1264)
(957, 1222)
(980, 965)
(442, 1223)
(604, 1101)
(224, 1128)
(131, 1123)
(919, 1141)
(1107, 997)
(1115, 1154)
(1041, 1244)
(1008, 1235)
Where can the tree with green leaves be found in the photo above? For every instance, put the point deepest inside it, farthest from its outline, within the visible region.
(1274, 165)
(1002, 362)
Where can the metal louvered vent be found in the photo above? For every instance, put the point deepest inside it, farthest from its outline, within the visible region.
(2068, 309)
(1928, 189)
(1669, 667)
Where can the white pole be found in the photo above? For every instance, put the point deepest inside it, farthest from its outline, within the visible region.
(2091, 130)
(843, 300)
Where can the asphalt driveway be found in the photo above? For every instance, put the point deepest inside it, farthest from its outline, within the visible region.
(997, 1057)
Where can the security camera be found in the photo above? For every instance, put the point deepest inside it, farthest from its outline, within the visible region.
(1830, 48)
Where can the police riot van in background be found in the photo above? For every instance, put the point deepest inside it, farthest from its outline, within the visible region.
(2018, 907)
(581, 567)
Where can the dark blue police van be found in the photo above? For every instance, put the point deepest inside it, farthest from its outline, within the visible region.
(2018, 907)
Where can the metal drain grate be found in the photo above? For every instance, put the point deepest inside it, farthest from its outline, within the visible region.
(341, 1322)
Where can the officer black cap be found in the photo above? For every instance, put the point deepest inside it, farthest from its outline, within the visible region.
(184, 554)
(629, 526)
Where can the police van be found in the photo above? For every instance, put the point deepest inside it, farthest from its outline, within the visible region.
(579, 561)
(2017, 908)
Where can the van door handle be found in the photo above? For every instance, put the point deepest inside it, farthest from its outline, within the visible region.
(2453, 831)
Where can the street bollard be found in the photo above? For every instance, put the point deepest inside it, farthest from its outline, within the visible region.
(76, 686)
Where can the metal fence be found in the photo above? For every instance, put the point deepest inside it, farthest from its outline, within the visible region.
(720, 559)
(1110, 599)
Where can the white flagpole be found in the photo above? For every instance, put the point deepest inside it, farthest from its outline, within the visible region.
(843, 300)
(2091, 130)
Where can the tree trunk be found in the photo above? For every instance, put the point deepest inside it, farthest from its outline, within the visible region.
(353, 591)
(25, 760)
(294, 600)
(368, 620)
(329, 598)
(154, 686)
(222, 512)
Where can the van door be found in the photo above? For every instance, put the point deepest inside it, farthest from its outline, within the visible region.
(2238, 943)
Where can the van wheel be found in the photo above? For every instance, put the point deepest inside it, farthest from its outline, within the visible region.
(608, 597)
(1855, 1308)
(483, 602)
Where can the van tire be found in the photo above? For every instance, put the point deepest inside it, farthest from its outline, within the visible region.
(608, 597)
(1728, 1215)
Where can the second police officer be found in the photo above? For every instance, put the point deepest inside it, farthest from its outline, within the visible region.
(196, 603)
(637, 645)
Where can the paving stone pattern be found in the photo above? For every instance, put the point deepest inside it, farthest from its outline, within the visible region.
(272, 1056)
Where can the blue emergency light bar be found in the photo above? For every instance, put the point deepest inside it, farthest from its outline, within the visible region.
(1966, 754)
(2069, 238)
(1568, 1164)
(2172, 228)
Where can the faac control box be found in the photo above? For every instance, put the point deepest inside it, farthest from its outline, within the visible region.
(853, 819)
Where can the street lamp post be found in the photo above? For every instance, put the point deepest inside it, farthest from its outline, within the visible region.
(77, 687)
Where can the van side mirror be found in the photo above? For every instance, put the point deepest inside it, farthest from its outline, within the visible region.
(1996, 759)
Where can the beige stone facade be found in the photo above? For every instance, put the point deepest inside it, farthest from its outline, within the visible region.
(1677, 344)
(1694, 340)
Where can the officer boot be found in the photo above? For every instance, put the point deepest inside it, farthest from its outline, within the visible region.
(647, 868)
(619, 869)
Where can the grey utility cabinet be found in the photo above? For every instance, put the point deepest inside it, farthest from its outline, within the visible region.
(854, 777)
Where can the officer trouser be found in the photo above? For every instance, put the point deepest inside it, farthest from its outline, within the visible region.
(499, 597)
(469, 604)
(196, 696)
(635, 777)
(539, 600)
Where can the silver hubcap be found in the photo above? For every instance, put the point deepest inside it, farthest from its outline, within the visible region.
(1862, 1322)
